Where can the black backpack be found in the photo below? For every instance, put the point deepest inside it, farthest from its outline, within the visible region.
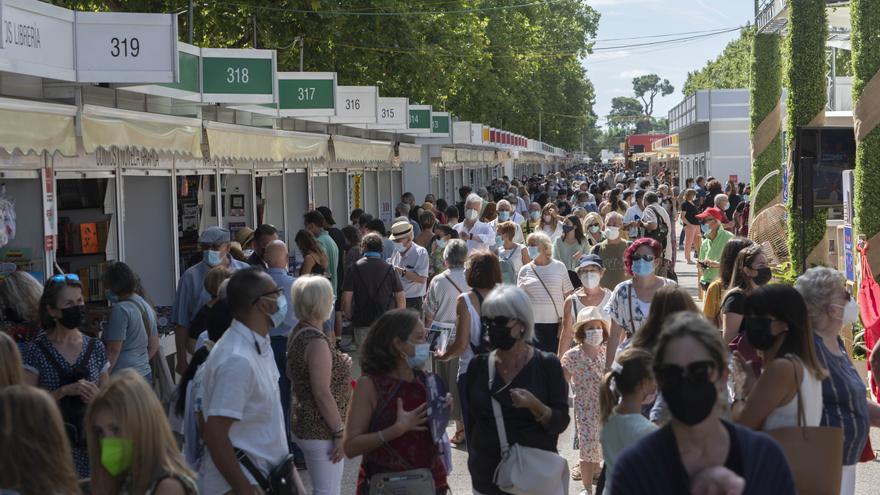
(73, 409)
(661, 233)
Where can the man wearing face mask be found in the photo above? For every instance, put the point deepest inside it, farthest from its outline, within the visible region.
(506, 214)
(722, 202)
(240, 384)
(264, 235)
(611, 252)
(714, 239)
(520, 205)
(532, 224)
(479, 235)
(191, 294)
(410, 261)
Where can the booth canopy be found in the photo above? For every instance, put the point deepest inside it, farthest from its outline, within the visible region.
(35, 127)
(410, 153)
(104, 127)
(447, 155)
(236, 142)
(349, 149)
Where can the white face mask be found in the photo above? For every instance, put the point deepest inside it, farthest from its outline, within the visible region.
(471, 214)
(850, 312)
(612, 233)
(590, 280)
(593, 336)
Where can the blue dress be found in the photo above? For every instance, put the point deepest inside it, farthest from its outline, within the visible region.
(36, 361)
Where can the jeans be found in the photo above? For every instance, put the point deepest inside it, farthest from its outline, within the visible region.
(279, 349)
(326, 476)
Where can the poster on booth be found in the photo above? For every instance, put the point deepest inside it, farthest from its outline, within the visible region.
(355, 199)
(385, 214)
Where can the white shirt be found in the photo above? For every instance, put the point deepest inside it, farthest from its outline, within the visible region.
(650, 216)
(443, 295)
(546, 306)
(553, 234)
(521, 206)
(518, 235)
(484, 235)
(242, 384)
(633, 213)
(415, 259)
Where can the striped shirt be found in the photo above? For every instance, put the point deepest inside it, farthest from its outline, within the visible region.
(844, 402)
(547, 309)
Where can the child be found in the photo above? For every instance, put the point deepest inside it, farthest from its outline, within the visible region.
(583, 366)
(628, 385)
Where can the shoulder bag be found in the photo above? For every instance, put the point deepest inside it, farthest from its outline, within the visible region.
(525, 470)
(399, 482)
(283, 478)
(549, 294)
(163, 381)
(813, 452)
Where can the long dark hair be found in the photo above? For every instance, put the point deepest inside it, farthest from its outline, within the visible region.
(728, 257)
(378, 355)
(785, 303)
(614, 200)
(578, 229)
(738, 279)
(307, 244)
(666, 301)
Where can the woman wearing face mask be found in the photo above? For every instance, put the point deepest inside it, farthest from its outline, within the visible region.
(569, 247)
(388, 418)
(593, 229)
(614, 204)
(131, 335)
(532, 224)
(442, 235)
(631, 301)
(549, 222)
(591, 293)
(65, 362)
(715, 291)
(130, 442)
(583, 366)
(611, 251)
(750, 270)
(509, 252)
(697, 451)
(529, 386)
(830, 306)
(547, 283)
(320, 375)
(688, 217)
(741, 214)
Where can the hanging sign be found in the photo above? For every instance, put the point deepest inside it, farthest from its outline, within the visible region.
(187, 88)
(419, 118)
(440, 123)
(392, 114)
(37, 39)
(238, 76)
(356, 105)
(117, 47)
(306, 94)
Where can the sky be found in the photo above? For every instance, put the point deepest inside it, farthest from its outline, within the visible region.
(612, 69)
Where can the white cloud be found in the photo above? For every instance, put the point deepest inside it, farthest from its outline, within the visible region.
(632, 73)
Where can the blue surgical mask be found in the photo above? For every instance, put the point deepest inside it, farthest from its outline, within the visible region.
(745, 198)
(504, 216)
(594, 229)
(535, 215)
(705, 228)
(278, 316)
(399, 247)
(642, 268)
(212, 258)
(419, 359)
(533, 252)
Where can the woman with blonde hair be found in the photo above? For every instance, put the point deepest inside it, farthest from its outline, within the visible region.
(131, 447)
(550, 223)
(593, 227)
(10, 362)
(19, 299)
(34, 450)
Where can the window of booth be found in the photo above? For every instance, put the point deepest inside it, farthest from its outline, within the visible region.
(25, 249)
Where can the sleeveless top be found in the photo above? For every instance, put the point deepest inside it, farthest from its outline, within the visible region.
(468, 353)
(415, 447)
(306, 418)
(787, 414)
(577, 305)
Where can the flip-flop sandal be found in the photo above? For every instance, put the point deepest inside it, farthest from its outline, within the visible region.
(576, 472)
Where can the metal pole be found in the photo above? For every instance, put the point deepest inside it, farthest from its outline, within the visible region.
(255, 29)
(540, 137)
(302, 49)
(189, 23)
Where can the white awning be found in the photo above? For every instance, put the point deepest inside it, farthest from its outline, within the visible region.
(447, 155)
(349, 149)
(410, 153)
(238, 142)
(104, 127)
(35, 127)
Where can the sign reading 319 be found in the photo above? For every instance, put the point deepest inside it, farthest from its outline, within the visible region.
(116, 47)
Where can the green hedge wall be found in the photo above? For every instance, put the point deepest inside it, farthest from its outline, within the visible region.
(866, 63)
(766, 89)
(805, 69)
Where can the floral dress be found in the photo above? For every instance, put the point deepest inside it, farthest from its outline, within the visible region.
(586, 378)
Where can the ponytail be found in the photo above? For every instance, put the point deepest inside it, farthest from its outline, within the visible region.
(632, 367)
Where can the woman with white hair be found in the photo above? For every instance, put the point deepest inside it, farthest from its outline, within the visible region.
(547, 284)
(506, 213)
(528, 385)
(321, 381)
(830, 306)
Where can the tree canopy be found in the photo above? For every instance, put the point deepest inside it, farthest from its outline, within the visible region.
(493, 61)
(647, 87)
(730, 70)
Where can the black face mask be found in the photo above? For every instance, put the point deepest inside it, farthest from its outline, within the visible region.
(499, 333)
(764, 275)
(757, 330)
(690, 399)
(73, 317)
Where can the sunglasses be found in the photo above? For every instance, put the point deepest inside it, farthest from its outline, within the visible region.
(494, 322)
(672, 373)
(646, 257)
(66, 277)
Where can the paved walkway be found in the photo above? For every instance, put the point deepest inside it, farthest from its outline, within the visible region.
(867, 482)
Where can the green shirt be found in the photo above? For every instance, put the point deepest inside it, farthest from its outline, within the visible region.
(564, 251)
(332, 251)
(711, 249)
(612, 262)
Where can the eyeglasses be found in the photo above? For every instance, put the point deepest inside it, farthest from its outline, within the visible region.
(64, 277)
(646, 257)
(673, 373)
(274, 292)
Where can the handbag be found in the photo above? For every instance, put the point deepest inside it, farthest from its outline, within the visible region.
(283, 478)
(813, 452)
(163, 381)
(525, 470)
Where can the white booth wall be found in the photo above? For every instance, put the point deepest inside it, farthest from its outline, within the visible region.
(320, 189)
(297, 186)
(397, 186)
(339, 197)
(271, 195)
(371, 192)
(386, 202)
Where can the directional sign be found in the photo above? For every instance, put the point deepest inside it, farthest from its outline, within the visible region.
(440, 123)
(238, 76)
(306, 94)
(126, 48)
(37, 39)
(356, 105)
(419, 118)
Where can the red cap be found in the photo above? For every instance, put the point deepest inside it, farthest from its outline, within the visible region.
(712, 212)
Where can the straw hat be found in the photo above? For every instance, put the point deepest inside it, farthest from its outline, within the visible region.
(588, 314)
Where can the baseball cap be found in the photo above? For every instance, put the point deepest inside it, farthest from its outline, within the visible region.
(589, 259)
(712, 212)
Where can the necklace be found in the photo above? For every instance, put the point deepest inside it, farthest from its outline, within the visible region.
(518, 362)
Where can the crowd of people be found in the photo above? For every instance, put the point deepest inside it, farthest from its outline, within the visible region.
(502, 313)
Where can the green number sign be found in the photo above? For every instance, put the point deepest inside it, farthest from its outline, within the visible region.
(238, 76)
(189, 73)
(306, 94)
(440, 124)
(419, 118)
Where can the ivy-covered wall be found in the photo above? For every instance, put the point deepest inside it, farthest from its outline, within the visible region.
(766, 89)
(804, 69)
(866, 63)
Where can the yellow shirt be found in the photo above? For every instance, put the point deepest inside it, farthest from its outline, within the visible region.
(712, 302)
